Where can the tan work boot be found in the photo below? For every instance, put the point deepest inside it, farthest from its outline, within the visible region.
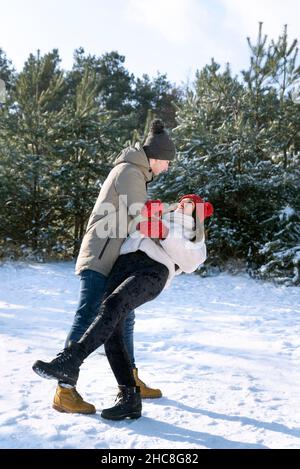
(70, 401)
(146, 392)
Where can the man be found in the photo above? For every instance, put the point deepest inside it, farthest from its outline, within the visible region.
(133, 170)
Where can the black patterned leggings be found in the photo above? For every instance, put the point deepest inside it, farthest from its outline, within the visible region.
(135, 279)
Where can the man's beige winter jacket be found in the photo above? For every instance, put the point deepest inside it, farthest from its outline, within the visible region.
(104, 236)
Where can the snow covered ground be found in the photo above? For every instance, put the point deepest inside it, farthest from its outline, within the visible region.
(225, 351)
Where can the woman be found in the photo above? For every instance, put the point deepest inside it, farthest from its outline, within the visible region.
(144, 268)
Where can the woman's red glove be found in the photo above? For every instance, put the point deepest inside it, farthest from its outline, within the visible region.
(153, 229)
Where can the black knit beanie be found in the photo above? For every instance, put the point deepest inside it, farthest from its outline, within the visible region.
(158, 144)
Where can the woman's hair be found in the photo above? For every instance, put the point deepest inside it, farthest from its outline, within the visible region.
(195, 222)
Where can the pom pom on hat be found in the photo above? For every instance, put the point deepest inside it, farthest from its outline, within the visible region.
(158, 144)
(157, 126)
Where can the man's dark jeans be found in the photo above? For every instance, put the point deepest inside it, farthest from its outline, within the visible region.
(92, 286)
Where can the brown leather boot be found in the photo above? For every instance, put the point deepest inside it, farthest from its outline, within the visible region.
(146, 392)
(70, 401)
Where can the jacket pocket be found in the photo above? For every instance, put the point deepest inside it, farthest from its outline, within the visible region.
(103, 249)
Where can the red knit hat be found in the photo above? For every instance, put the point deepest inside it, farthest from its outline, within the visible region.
(202, 211)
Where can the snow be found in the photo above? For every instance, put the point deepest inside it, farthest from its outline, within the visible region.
(224, 350)
(286, 213)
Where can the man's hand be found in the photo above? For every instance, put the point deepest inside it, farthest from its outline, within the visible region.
(152, 208)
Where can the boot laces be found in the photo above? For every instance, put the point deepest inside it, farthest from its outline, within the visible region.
(76, 394)
(122, 397)
(63, 356)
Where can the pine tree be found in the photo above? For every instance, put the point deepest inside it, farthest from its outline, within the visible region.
(209, 161)
(84, 139)
(228, 136)
(281, 254)
(286, 76)
(157, 95)
(279, 245)
(7, 72)
(26, 166)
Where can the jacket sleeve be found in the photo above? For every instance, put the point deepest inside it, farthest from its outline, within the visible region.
(186, 254)
(131, 182)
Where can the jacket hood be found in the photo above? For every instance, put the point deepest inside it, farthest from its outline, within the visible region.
(136, 155)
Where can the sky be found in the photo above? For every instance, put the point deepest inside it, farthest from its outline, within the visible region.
(175, 37)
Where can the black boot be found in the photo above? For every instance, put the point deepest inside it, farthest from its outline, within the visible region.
(65, 367)
(128, 405)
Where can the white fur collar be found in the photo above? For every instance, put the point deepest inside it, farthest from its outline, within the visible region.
(186, 222)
